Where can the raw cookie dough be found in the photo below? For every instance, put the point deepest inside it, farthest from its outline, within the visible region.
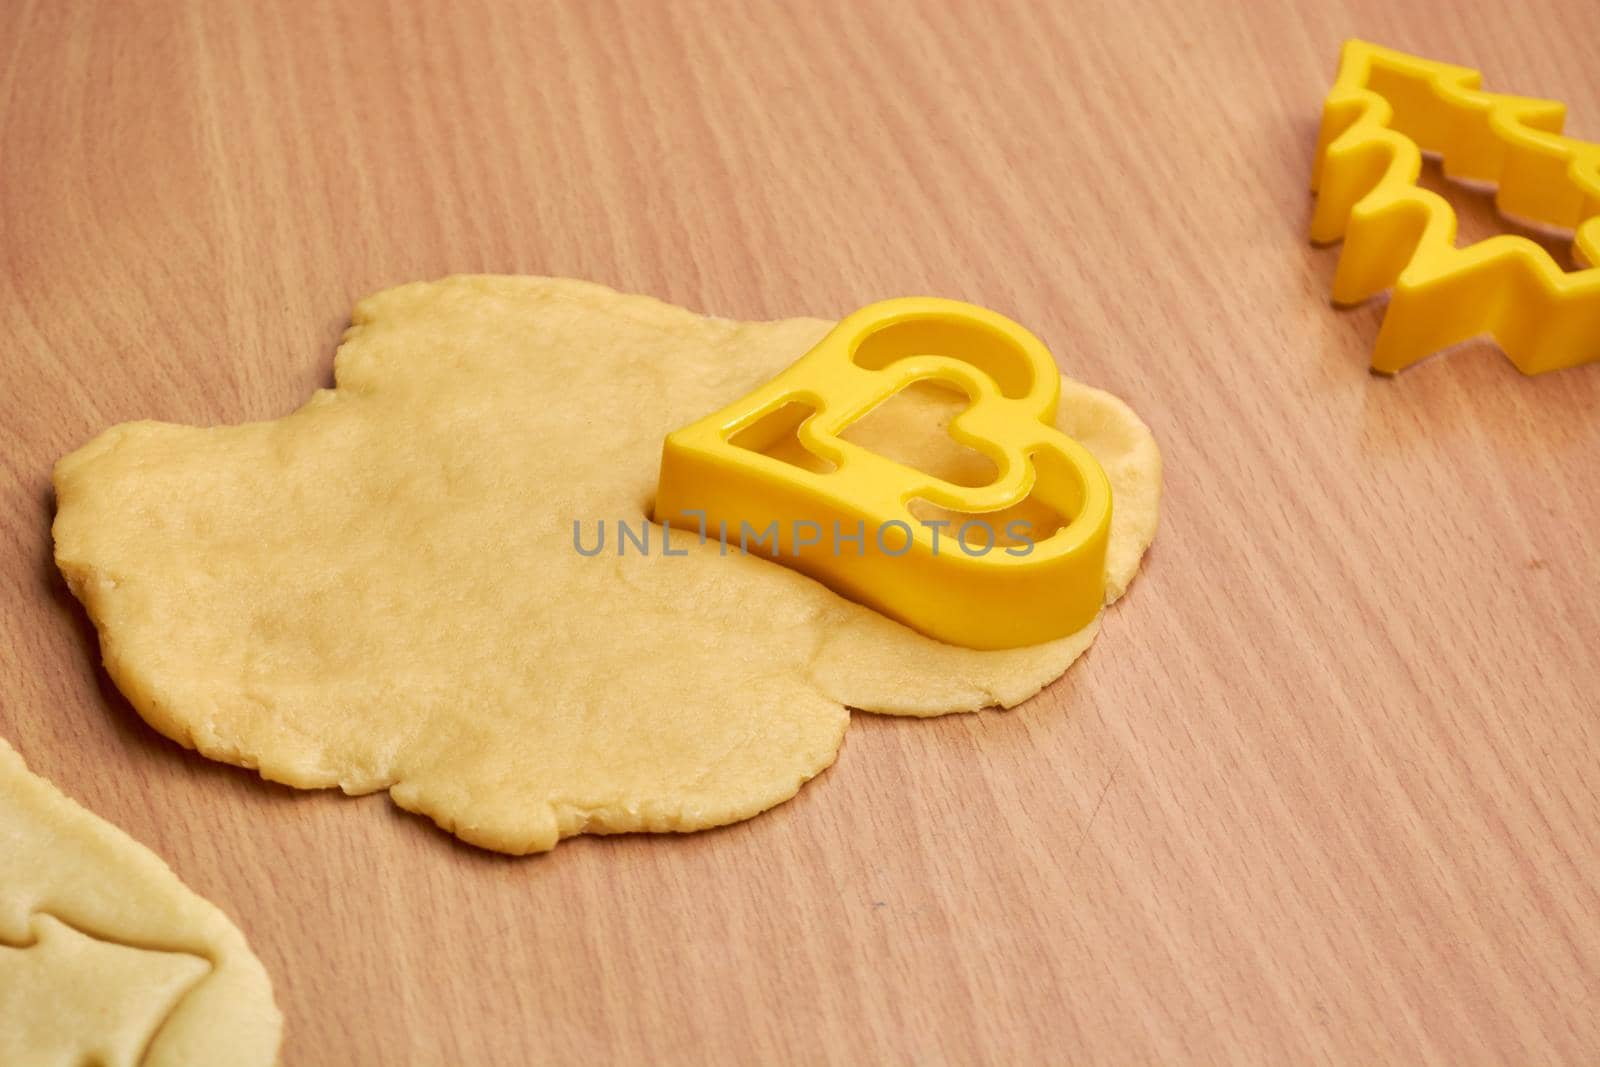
(105, 957)
(381, 590)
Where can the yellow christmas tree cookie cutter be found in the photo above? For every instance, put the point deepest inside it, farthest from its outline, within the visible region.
(1385, 109)
(772, 473)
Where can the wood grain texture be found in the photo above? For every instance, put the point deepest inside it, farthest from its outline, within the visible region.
(1323, 791)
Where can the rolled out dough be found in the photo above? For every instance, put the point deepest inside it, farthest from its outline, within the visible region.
(381, 590)
(105, 957)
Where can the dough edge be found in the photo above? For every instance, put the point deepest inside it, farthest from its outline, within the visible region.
(228, 1015)
(839, 673)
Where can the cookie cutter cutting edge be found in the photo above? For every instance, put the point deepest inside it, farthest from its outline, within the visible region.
(1385, 109)
(718, 470)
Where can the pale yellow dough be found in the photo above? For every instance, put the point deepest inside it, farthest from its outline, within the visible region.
(380, 591)
(105, 957)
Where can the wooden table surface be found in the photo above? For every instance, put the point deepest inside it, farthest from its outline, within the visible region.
(1325, 790)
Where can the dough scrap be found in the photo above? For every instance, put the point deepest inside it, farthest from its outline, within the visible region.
(381, 590)
(105, 956)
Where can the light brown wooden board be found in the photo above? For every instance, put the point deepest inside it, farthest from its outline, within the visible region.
(1325, 788)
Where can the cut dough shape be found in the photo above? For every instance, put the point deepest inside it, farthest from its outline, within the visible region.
(105, 956)
(381, 590)
(69, 998)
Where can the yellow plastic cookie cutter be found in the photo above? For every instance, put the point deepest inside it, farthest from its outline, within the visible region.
(776, 458)
(1386, 108)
